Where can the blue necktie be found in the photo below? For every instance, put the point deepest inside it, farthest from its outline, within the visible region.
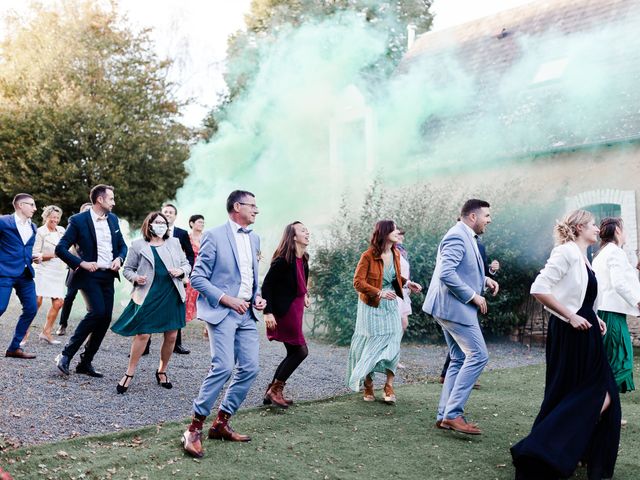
(244, 230)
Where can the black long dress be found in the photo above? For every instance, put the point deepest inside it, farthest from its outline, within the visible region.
(569, 427)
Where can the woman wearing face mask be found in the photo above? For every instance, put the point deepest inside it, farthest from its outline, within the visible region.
(619, 296)
(156, 266)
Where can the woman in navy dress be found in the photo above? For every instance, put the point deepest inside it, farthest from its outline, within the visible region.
(285, 290)
(579, 420)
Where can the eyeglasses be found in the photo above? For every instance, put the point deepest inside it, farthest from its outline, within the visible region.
(252, 205)
(31, 204)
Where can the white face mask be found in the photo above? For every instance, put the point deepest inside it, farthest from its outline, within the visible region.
(159, 229)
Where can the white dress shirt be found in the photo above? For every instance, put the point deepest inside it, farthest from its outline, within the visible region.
(245, 259)
(24, 228)
(103, 240)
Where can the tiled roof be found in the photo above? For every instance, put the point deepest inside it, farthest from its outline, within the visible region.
(543, 77)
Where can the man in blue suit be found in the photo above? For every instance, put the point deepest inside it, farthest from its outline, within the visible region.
(101, 251)
(226, 276)
(453, 299)
(17, 236)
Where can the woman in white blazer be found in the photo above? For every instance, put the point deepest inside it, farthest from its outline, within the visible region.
(157, 266)
(579, 419)
(618, 296)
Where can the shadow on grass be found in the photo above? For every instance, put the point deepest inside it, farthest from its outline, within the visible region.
(336, 438)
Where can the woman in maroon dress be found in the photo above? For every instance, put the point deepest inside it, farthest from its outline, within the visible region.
(285, 290)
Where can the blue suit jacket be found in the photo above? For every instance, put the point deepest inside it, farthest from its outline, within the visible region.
(459, 274)
(14, 254)
(217, 272)
(81, 233)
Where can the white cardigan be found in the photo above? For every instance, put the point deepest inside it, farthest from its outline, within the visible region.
(618, 284)
(565, 277)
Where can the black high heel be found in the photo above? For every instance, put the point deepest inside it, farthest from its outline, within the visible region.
(124, 387)
(166, 384)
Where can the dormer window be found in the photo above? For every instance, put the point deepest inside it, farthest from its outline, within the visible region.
(551, 70)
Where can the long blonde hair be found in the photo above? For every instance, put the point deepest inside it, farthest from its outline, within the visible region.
(566, 230)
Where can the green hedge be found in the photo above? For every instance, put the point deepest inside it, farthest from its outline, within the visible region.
(519, 237)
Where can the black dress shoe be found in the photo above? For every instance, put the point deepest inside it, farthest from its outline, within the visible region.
(62, 329)
(181, 350)
(62, 362)
(88, 370)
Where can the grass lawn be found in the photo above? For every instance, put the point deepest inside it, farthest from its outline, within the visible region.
(339, 438)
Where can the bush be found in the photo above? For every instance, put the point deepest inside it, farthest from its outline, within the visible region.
(519, 237)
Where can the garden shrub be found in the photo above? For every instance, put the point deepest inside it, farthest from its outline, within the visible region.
(519, 237)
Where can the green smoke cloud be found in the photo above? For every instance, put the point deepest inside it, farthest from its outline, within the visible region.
(439, 113)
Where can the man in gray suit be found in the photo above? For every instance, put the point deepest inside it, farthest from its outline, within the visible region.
(453, 299)
(226, 276)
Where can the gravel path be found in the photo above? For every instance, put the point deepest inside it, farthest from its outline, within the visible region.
(38, 405)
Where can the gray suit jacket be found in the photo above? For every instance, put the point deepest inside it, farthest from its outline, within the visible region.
(459, 274)
(217, 272)
(140, 261)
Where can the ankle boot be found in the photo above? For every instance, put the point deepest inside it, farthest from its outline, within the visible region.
(274, 394)
(266, 400)
(221, 430)
(368, 390)
(192, 437)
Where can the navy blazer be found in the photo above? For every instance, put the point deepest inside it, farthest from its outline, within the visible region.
(81, 233)
(185, 243)
(14, 254)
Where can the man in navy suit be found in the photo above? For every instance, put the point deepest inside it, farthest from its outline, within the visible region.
(17, 236)
(101, 251)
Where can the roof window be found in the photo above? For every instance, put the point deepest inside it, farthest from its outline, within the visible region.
(551, 70)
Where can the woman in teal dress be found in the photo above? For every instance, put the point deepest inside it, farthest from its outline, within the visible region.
(157, 266)
(618, 296)
(375, 345)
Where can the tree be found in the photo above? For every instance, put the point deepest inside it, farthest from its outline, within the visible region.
(267, 18)
(85, 100)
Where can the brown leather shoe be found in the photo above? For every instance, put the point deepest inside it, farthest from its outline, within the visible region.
(368, 391)
(274, 395)
(221, 430)
(192, 443)
(440, 426)
(19, 353)
(459, 424)
(389, 394)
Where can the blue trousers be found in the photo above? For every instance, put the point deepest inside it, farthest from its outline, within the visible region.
(468, 357)
(25, 288)
(234, 342)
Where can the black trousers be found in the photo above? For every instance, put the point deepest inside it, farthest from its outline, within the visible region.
(98, 292)
(69, 298)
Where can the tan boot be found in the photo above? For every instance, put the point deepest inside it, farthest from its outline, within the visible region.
(389, 394)
(266, 400)
(274, 394)
(368, 390)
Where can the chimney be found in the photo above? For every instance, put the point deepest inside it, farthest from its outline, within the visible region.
(411, 35)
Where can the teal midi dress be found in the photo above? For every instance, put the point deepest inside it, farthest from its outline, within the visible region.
(375, 345)
(162, 310)
(617, 344)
